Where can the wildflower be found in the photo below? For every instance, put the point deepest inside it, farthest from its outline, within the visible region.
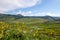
(23, 23)
(24, 31)
(34, 34)
(7, 32)
(19, 29)
(1, 35)
(36, 31)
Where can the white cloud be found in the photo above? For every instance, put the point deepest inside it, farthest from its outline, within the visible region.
(30, 13)
(53, 14)
(6, 5)
(50, 14)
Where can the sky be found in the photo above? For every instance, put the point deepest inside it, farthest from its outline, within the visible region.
(30, 7)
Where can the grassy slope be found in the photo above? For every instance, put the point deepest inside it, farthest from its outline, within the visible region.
(32, 29)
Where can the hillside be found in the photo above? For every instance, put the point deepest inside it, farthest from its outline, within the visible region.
(8, 17)
(21, 18)
(18, 27)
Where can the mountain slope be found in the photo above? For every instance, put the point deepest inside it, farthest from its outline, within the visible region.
(8, 17)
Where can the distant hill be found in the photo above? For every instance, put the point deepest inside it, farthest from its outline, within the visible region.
(57, 18)
(48, 18)
(44, 17)
(9, 17)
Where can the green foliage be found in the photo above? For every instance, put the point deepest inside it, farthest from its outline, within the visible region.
(29, 29)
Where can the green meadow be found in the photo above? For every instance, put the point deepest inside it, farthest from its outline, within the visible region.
(29, 29)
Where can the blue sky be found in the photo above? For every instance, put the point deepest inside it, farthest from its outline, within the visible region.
(30, 7)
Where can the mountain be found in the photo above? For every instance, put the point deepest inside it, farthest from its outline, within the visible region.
(49, 18)
(9, 17)
(57, 18)
(44, 17)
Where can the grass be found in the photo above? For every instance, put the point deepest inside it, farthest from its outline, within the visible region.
(30, 29)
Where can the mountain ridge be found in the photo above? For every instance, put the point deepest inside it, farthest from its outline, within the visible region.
(7, 16)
